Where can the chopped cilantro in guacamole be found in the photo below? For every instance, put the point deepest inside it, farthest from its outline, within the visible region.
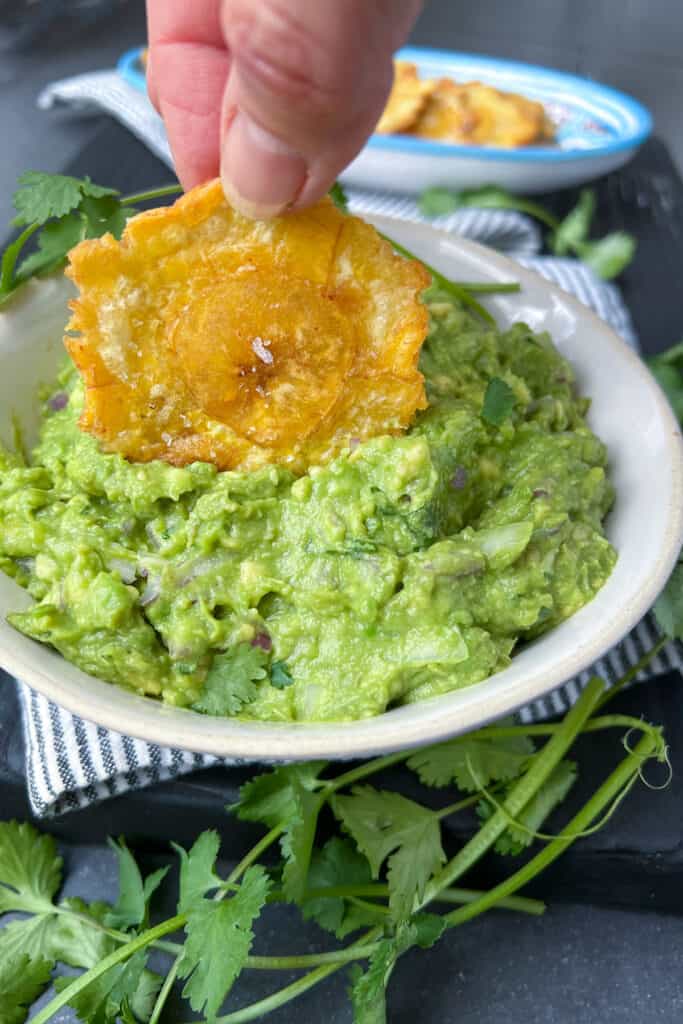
(406, 567)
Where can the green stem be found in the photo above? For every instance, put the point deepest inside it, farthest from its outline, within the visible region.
(489, 287)
(610, 790)
(379, 890)
(284, 995)
(363, 770)
(542, 765)
(297, 988)
(167, 947)
(307, 960)
(267, 840)
(165, 991)
(549, 729)
(534, 210)
(10, 257)
(117, 957)
(456, 290)
(634, 670)
(445, 812)
(155, 193)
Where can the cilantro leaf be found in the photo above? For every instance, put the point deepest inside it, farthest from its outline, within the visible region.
(35, 937)
(105, 215)
(270, 798)
(499, 401)
(230, 683)
(670, 379)
(337, 863)
(339, 197)
(472, 761)
(107, 996)
(41, 196)
(54, 242)
(608, 256)
(437, 202)
(668, 609)
(368, 990)
(219, 937)
(575, 227)
(73, 942)
(388, 825)
(544, 801)
(297, 841)
(22, 980)
(130, 909)
(285, 797)
(428, 929)
(198, 869)
(280, 676)
(30, 869)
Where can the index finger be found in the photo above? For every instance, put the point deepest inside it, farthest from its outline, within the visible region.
(188, 71)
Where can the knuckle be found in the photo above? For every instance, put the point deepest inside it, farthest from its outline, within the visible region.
(281, 49)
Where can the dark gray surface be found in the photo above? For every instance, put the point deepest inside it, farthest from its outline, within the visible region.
(574, 965)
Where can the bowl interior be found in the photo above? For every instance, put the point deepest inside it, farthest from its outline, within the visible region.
(646, 526)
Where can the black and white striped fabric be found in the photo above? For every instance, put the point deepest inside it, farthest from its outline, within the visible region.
(71, 763)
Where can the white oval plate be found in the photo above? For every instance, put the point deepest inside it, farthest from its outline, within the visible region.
(646, 526)
(598, 130)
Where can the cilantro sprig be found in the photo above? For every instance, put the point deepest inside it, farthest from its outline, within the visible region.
(61, 211)
(382, 884)
(607, 256)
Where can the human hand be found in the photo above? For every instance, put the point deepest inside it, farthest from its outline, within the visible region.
(279, 95)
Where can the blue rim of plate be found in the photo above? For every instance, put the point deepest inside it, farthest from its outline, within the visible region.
(629, 121)
(129, 66)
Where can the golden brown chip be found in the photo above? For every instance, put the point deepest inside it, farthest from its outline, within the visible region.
(504, 118)
(204, 335)
(447, 115)
(476, 114)
(407, 99)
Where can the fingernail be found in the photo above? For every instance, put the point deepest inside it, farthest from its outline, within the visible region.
(261, 175)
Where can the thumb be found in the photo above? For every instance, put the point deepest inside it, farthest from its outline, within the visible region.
(307, 84)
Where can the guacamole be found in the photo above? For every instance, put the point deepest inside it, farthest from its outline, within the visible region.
(406, 567)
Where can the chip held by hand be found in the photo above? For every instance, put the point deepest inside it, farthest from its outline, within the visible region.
(206, 336)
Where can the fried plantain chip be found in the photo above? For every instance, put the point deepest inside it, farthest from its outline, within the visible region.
(476, 114)
(447, 114)
(204, 335)
(504, 118)
(407, 99)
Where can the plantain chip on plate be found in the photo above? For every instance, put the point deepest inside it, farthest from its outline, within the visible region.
(205, 335)
(407, 99)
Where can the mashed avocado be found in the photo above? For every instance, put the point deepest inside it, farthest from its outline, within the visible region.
(407, 567)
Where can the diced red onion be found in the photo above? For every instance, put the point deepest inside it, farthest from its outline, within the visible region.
(263, 641)
(58, 401)
(459, 478)
(353, 443)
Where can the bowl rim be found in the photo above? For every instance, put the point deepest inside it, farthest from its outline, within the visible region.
(425, 722)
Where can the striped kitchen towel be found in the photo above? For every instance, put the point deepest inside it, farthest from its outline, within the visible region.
(71, 763)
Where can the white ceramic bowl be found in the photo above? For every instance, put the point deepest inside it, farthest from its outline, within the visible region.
(646, 526)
